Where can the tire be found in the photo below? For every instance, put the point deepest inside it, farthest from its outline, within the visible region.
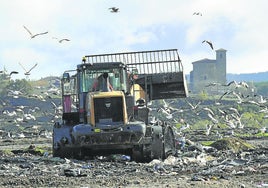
(169, 142)
(63, 153)
(157, 148)
(138, 155)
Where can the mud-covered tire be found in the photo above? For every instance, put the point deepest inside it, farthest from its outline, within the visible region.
(157, 143)
(62, 153)
(137, 154)
(169, 142)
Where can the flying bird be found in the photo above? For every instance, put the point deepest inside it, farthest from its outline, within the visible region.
(214, 120)
(243, 84)
(114, 9)
(262, 100)
(197, 13)
(193, 107)
(230, 83)
(238, 84)
(235, 111)
(27, 72)
(13, 72)
(209, 43)
(34, 35)
(209, 111)
(208, 128)
(212, 84)
(8, 75)
(61, 40)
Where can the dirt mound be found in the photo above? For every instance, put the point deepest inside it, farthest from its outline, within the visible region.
(232, 143)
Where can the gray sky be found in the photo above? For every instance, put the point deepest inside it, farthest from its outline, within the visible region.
(239, 26)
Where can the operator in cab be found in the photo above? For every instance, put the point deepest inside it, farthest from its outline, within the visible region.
(102, 83)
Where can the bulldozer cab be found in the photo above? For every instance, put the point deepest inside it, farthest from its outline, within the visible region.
(90, 78)
(102, 78)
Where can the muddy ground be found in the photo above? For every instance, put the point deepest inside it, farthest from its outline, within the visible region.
(27, 162)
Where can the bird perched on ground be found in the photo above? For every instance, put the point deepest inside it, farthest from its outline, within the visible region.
(27, 72)
(208, 42)
(114, 9)
(34, 35)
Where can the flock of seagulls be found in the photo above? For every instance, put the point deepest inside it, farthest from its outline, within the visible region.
(34, 35)
(27, 116)
(218, 115)
(231, 116)
(112, 10)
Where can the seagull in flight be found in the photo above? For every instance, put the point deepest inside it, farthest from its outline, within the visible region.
(193, 107)
(61, 40)
(212, 84)
(13, 72)
(8, 75)
(114, 9)
(197, 13)
(238, 84)
(262, 100)
(34, 35)
(27, 72)
(209, 43)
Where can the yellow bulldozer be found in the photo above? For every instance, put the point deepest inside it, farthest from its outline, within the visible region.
(105, 105)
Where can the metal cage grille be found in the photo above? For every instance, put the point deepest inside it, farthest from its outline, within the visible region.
(144, 62)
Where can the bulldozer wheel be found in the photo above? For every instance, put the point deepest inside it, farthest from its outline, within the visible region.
(169, 142)
(62, 153)
(137, 154)
(78, 154)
